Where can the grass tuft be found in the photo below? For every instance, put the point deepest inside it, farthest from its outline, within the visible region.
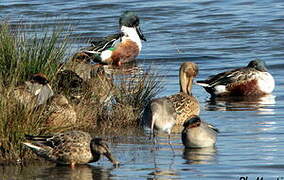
(20, 57)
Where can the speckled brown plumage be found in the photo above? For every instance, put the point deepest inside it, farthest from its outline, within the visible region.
(60, 112)
(163, 113)
(185, 106)
(71, 147)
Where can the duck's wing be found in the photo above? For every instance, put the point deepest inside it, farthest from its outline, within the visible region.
(101, 44)
(40, 140)
(40, 145)
(228, 77)
(184, 105)
(70, 138)
(55, 140)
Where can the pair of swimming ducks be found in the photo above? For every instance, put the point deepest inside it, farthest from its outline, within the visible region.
(162, 114)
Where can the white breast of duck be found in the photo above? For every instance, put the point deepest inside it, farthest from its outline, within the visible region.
(258, 83)
(130, 33)
(266, 82)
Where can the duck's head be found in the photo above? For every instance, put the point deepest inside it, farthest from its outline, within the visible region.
(39, 78)
(36, 83)
(192, 122)
(131, 20)
(188, 70)
(99, 147)
(258, 65)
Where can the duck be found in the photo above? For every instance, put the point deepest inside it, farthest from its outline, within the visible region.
(162, 114)
(36, 90)
(70, 148)
(197, 133)
(59, 112)
(119, 48)
(254, 80)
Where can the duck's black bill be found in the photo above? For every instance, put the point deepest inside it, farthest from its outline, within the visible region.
(140, 33)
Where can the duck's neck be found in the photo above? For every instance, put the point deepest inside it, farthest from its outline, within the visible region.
(185, 83)
(96, 157)
(130, 33)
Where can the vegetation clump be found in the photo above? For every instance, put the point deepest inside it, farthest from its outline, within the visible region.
(21, 57)
(93, 100)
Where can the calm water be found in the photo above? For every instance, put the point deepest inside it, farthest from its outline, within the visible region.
(217, 35)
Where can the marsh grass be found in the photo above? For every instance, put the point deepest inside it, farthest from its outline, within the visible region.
(19, 58)
(16, 120)
(129, 98)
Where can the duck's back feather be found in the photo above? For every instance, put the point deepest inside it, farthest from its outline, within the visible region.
(101, 44)
(185, 106)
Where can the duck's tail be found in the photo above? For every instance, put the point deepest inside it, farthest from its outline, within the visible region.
(202, 83)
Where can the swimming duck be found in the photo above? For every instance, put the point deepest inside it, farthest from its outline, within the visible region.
(70, 148)
(118, 48)
(198, 134)
(163, 113)
(252, 80)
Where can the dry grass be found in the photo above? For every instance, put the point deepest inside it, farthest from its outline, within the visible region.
(117, 103)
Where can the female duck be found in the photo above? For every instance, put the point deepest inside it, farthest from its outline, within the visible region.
(71, 147)
(163, 113)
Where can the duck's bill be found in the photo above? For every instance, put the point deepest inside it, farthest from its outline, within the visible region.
(111, 158)
(140, 33)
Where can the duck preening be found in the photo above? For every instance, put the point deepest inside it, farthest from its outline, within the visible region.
(163, 113)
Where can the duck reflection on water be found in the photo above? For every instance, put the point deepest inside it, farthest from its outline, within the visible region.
(200, 155)
(262, 104)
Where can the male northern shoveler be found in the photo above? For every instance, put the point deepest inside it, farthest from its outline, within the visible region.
(70, 148)
(198, 134)
(252, 80)
(122, 47)
(163, 113)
